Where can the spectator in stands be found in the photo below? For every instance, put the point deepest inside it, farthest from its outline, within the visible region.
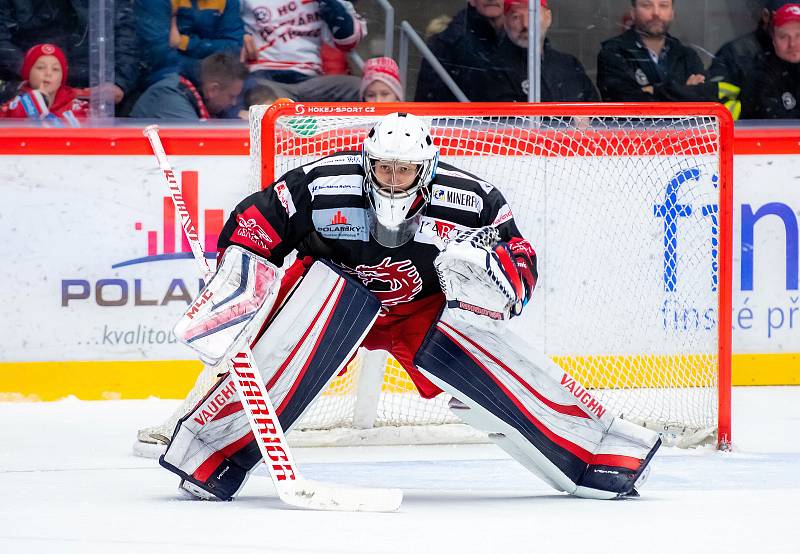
(179, 97)
(738, 60)
(65, 23)
(175, 35)
(647, 64)
(437, 25)
(465, 49)
(44, 94)
(261, 94)
(381, 81)
(283, 43)
(563, 78)
(776, 86)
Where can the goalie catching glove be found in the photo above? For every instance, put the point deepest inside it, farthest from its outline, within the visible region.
(486, 277)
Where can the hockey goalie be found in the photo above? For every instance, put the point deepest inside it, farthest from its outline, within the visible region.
(458, 269)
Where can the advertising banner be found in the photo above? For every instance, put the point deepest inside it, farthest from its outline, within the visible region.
(96, 267)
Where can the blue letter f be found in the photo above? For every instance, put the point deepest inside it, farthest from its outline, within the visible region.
(670, 210)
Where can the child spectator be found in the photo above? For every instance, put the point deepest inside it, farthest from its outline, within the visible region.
(65, 23)
(44, 95)
(381, 81)
(260, 94)
(181, 97)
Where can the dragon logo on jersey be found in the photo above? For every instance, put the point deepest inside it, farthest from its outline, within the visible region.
(402, 280)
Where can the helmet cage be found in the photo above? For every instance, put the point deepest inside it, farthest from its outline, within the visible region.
(396, 207)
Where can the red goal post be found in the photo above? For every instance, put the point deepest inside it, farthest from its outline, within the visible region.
(630, 209)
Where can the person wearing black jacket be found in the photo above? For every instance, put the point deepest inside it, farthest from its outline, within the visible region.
(647, 64)
(465, 49)
(65, 23)
(563, 77)
(739, 60)
(776, 85)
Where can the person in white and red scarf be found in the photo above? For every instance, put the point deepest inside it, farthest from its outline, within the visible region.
(283, 43)
(184, 97)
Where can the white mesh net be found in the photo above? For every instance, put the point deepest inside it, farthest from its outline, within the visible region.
(623, 214)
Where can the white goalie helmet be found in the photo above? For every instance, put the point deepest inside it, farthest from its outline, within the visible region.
(399, 160)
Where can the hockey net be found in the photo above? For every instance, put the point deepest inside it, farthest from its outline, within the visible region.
(629, 209)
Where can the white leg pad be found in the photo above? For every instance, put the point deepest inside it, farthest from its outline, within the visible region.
(547, 420)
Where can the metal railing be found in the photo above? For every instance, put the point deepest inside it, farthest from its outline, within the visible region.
(407, 33)
(388, 45)
(534, 52)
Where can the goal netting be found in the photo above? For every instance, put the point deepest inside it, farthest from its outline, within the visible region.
(628, 208)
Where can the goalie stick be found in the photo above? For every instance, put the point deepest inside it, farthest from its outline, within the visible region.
(291, 486)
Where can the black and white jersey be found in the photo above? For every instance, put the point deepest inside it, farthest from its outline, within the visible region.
(320, 210)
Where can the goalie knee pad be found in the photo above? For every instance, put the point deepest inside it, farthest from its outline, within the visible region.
(307, 343)
(536, 412)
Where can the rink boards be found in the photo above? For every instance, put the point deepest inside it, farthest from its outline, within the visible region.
(97, 272)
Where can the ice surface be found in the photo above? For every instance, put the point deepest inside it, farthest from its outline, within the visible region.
(69, 483)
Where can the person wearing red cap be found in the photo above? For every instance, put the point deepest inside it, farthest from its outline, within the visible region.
(563, 78)
(66, 24)
(647, 64)
(737, 61)
(381, 81)
(776, 87)
(44, 94)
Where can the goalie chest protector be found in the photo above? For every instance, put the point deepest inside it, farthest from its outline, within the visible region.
(458, 201)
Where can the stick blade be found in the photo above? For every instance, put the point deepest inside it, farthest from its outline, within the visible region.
(313, 495)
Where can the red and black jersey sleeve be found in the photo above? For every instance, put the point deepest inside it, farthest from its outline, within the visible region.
(273, 221)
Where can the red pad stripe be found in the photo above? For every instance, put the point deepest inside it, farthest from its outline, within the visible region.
(570, 410)
(292, 354)
(576, 450)
(615, 460)
(204, 471)
(279, 409)
(228, 409)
